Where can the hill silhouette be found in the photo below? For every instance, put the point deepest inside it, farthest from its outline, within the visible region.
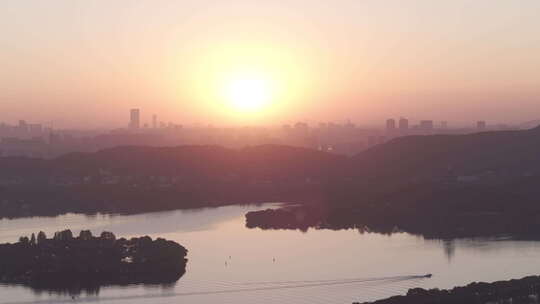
(259, 161)
(141, 179)
(419, 183)
(507, 152)
(437, 186)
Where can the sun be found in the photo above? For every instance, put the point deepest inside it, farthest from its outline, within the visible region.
(244, 82)
(248, 93)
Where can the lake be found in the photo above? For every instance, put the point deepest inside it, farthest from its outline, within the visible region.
(229, 263)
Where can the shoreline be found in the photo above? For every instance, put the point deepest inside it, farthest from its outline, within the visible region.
(524, 290)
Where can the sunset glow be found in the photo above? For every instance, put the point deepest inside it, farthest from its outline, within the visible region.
(247, 82)
(266, 63)
(259, 151)
(248, 93)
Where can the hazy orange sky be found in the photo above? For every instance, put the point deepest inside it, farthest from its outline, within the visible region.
(85, 63)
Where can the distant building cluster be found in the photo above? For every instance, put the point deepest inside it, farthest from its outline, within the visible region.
(28, 139)
(135, 122)
(41, 140)
(428, 126)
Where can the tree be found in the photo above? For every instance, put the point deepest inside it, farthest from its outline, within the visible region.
(106, 235)
(24, 240)
(85, 235)
(41, 237)
(65, 235)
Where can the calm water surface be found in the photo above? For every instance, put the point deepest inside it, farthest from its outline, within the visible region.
(229, 263)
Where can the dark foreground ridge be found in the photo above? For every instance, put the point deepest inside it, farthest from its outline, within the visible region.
(65, 263)
(526, 290)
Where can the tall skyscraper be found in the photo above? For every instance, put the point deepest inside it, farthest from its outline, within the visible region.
(134, 119)
(154, 121)
(390, 124)
(480, 125)
(403, 124)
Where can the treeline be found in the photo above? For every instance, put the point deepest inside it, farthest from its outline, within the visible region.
(428, 222)
(522, 291)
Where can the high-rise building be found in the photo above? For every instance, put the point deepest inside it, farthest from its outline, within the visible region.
(154, 121)
(403, 124)
(349, 125)
(301, 129)
(23, 126)
(426, 125)
(444, 124)
(35, 128)
(390, 124)
(480, 125)
(134, 119)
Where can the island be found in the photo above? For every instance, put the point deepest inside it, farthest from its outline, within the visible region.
(87, 262)
(430, 224)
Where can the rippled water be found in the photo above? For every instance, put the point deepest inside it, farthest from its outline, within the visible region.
(229, 263)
